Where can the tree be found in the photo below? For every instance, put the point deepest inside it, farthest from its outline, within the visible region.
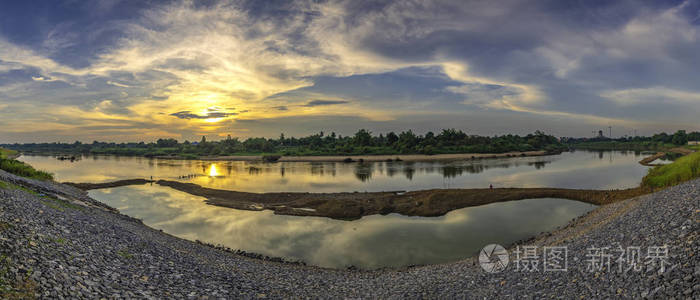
(694, 136)
(679, 138)
(363, 138)
(391, 138)
(407, 140)
(166, 143)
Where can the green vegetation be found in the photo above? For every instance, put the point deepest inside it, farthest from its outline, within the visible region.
(4, 225)
(124, 254)
(658, 142)
(361, 143)
(12, 186)
(19, 168)
(49, 201)
(683, 169)
(622, 145)
(10, 288)
(6, 153)
(59, 204)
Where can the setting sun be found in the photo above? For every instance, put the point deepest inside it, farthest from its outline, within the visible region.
(213, 120)
(439, 149)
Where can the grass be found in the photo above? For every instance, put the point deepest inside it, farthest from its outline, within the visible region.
(125, 254)
(49, 201)
(4, 225)
(683, 169)
(59, 204)
(22, 169)
(12, 186)
(5, 153)
(10, 288)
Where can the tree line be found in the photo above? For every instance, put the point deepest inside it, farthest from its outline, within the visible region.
(656, 141)
(362, 142)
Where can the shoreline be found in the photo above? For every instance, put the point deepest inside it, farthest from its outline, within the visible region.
(647, 161)
(355, 205)
(340, 158)
(376, 158)
(105, 252)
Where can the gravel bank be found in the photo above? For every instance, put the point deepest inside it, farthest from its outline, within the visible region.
(77, 247)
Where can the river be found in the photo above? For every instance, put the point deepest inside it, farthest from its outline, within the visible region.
(371, 242)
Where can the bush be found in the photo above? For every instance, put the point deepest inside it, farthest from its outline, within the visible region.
(21, 169)
(270, 158)
(683, 169)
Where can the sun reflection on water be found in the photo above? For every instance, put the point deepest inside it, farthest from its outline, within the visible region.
(213, 172)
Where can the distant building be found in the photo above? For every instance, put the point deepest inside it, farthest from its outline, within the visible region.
(600, 133)
(693, 142)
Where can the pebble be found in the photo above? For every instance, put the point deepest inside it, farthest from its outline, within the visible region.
(109, 255)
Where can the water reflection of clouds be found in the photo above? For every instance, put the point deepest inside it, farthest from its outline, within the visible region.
(578, 169)
(372, 241)
(592, 174)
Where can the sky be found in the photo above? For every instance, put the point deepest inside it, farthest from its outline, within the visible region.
(112, 70)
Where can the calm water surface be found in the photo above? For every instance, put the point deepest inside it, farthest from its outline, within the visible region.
(596, 170)
(371, 242)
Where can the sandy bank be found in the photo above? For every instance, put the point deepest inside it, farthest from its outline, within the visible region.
(104, 185)
(426, 203)
(351, 206)
(647, 161)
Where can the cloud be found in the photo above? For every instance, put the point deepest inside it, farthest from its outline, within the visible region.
(114, 83)
(186, 114)
(593, 62)
(313, 103)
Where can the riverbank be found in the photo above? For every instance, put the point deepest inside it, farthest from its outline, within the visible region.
(105, 185)
(8, 154)
(355, 205)
(425, 203)
(647, 161)
(352, 206)
(372, 158)
(85, 250)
